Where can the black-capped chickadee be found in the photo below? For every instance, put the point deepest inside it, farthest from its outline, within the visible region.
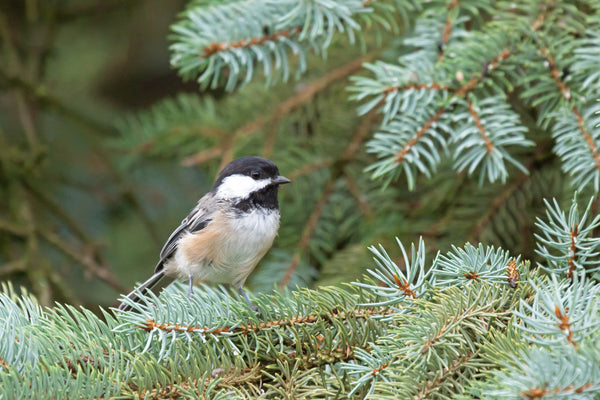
(227, 233)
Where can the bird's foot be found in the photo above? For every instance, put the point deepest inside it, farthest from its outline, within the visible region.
(191, 290)
(255, 309)
(252, 306)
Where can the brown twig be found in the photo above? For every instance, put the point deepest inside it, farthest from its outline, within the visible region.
(303, 96)
(25, 112)
(227, 378)
(150, 325)
(353, 187)
(588, 138)
(227, 150)
(444, 374)
(214, 47)
(85, 258)
(399, 157)
(13, 228)
(377, 370)
(359, 136)
(447, 28)
(405, 287)
(203, 156)
(488, 143)
(13, 267)
(544, 8)
(573, 251)
(460, 91)
(564, 325)
(416, 86)
(472, 275)
(468, 87)
(535, 393)
(565, 92)
(3, 364)
(539, 393)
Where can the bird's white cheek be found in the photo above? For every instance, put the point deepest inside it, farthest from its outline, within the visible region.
(240, 186)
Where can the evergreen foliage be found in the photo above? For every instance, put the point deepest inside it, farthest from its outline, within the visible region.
(478, 323)
(504, 91)
(449, 89)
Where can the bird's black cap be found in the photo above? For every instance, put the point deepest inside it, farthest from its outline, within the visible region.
(256, 167)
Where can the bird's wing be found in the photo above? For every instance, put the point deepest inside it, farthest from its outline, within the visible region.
(197, 220)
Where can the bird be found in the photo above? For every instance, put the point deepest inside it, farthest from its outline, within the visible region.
(226, 234)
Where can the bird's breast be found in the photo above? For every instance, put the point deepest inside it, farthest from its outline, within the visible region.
(256, 226)
(228, 249)
(250, 235)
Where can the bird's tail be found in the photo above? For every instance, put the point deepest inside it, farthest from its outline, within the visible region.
(152, 284)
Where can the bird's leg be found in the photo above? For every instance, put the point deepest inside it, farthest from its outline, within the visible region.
(191, 291)
(245, 296)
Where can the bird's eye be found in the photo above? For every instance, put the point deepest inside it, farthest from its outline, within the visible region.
(255, 174)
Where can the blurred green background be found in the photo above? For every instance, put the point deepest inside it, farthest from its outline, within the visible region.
(69, 70)
(104, 149)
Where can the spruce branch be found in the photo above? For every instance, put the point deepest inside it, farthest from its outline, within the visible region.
(577, 145)
(562, 312)
(413, 137)
(464, 266)
(336, 341)
(393, 284)
(385, 90)
(261, 32)
(540, 374)
(400, 101)
(483, 148)
(456, 54)
(586, 53)
(446, 374)
(453, 11)
(476, 322)
(566, 242)
(432, 340)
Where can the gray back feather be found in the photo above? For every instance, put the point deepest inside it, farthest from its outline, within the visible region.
(197, 220)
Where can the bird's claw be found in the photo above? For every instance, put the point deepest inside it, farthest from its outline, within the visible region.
(252, 306)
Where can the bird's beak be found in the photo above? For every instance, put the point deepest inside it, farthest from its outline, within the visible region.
(280, 180)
